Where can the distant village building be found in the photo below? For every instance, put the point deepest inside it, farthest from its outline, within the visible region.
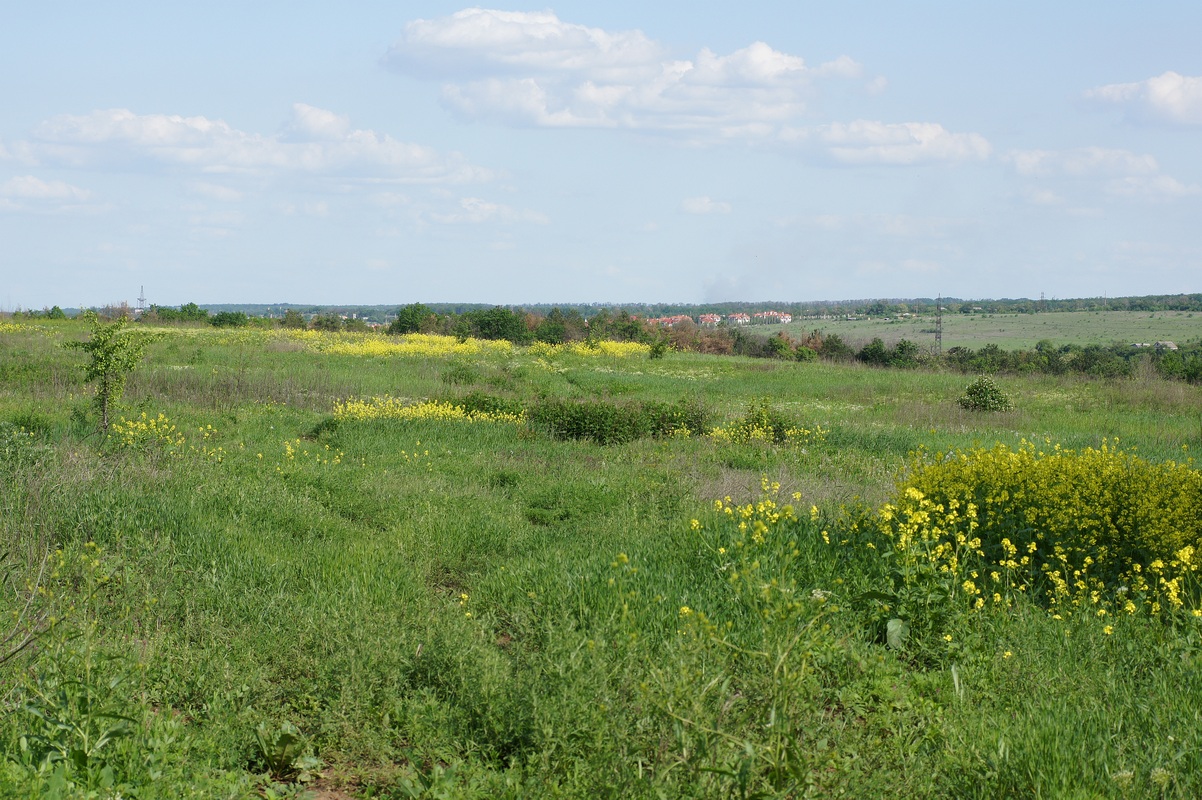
(710, 319)
(773, 318)
(669, 322)
(738, 319)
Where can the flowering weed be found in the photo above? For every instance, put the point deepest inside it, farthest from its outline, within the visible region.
(386, 407)
(1098, 531)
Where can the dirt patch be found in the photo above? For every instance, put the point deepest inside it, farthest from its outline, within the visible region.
(320, 791)
(743, 486)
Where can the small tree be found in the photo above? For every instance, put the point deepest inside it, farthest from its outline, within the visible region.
(410, 319)
(984, 395)
(326, 322)
(292, 319)
(113, 352)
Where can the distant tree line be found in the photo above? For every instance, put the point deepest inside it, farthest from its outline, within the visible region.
(46, 313)
(877, 307)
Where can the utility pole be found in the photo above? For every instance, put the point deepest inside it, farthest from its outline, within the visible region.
(939, 326)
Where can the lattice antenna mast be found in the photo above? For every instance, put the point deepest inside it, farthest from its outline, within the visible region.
(141, 299)
(939, 326)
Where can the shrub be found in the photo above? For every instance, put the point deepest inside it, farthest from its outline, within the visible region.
(835, 349)
(763, 423)
(1100, 531)
(229, 319)
(984, 395)
(326, 322)
(490, 404)
(874, 353)
(606, 422)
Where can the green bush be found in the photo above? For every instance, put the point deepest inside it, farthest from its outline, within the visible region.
(763, 423)
(984, 395)
(491, 404)
(229, 319)
(606, 422)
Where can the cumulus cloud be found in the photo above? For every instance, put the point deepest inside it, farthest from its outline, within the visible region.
(479, 40)
(474, 210)
(315, 141)
(310, 123)
(704, 205)
(1170, 97)
(536, 69)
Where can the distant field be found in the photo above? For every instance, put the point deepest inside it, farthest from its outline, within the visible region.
(1015, 331)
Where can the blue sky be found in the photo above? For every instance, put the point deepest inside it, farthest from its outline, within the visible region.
(374, 152)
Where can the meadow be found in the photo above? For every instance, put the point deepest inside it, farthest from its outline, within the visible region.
(1015, 331)
(350, 565)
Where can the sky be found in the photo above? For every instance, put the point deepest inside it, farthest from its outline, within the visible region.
(392, 152)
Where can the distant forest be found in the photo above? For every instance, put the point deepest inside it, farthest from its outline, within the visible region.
(815, 309)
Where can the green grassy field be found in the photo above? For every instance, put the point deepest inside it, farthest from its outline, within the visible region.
(1015, 331)
(255, 597)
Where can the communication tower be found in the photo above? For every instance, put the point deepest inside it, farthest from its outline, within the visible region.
(141, 300)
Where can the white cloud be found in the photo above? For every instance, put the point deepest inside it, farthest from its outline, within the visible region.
(873, 142)
(28, 187)
(1151, 187)
(1170, 97)
(1127, 174)
(316, 142)
(473, 210)
(316, 124)
(535, 69)
(704, 205)
(482, 40)
(1081, 162)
